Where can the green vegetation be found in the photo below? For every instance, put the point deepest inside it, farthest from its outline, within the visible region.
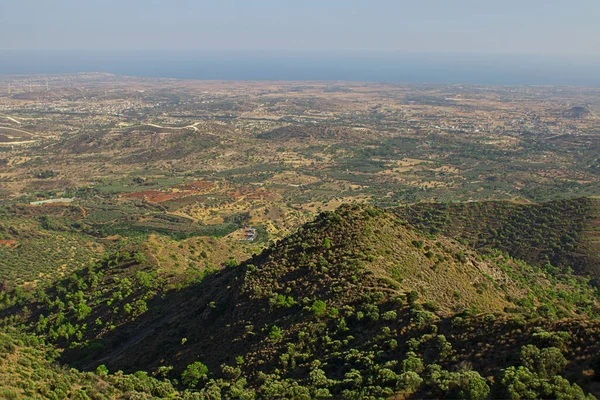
(29, 370)
(558, 235)
(40, 243)
(369, 315)
(150, 283)
(194, 374)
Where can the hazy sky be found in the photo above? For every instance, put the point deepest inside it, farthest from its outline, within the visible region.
(545, 27)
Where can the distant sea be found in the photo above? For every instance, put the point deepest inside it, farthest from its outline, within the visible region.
(374, 66)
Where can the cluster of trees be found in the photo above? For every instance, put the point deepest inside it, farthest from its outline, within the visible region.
(73, 311)
(29, 369)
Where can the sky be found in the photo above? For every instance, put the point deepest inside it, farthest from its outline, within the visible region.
(532, 27)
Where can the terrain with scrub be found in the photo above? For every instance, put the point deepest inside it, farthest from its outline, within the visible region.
(411, 241)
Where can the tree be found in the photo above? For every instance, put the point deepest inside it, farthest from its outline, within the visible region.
(409, 381)
(546, 362)
(102, 370)
(275, 335)
(318, 308)
(476, 388)
(412, 363)
(82, 311)
(194, 374)
(412, 297)
(521, 383)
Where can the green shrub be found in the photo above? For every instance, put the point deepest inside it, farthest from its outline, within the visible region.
(194, 374)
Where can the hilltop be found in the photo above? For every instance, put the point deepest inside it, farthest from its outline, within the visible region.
(356, 303)
(577, 112)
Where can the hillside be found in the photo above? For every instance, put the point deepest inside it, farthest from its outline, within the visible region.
(28, 370)
(577, 112)
(355, 304)
(38, 244)
(564, 233)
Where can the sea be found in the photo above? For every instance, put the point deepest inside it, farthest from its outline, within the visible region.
(312, 65)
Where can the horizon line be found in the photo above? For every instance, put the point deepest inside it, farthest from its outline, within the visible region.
(349, 50)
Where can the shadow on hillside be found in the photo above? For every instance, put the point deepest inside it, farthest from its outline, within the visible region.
(168, 330)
